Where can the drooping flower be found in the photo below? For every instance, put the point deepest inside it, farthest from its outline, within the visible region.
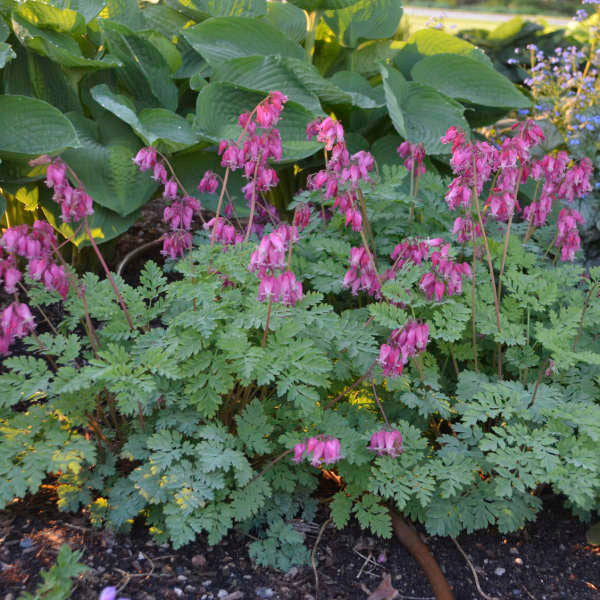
(319, 450)
(403, 344)
(386, 442)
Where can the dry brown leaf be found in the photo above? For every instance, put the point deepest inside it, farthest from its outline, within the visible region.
(385, 590)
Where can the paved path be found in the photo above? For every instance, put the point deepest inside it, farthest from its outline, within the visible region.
(478, 16)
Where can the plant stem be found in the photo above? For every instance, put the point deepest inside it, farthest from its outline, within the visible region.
(108, 274)
(314, 17)
(219, 204)
(379, 403)
(537, 384)
(352, 386)
(264, 340)
(586, 305)
(473, 293)
(253, 201)
(44, 315)
(487, 248)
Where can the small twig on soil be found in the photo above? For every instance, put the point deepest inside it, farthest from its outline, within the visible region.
(129, 576)
(313, 556)
(475, 576)
(367, 560)
(529, 593)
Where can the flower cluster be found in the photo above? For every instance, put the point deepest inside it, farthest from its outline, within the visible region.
(343, 173)
(259, 142)
(511, 164)
(179, 213)
(386, 442)
(362, 275)
(224, 232)
(568, 236)
(74, 203)
(414, 155)
(302, 216)
(403, 344)
(445, 276)
(270, 258)
(322, 449)
(34, 244)
(16, 321)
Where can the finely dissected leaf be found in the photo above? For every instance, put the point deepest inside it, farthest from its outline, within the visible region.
(468, 79)
(29, 127)
(253, 428)
(419, 112)
(373, 515)
(223, 38)
(341, 506)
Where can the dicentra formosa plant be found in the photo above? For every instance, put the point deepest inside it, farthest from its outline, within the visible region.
(450, 381)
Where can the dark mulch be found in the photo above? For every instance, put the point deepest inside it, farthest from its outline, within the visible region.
(548, 560)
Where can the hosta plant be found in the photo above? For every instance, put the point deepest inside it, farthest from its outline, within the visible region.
(432, 343)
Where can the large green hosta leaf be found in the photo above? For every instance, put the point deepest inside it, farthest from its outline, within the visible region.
(125, 12)
(429, 42)
(468, 79)
(420, 113)
(59, 47)
(288, 19)
(88, 9)
(153, 125)
(34, 75)
(367, 20)
(4, 30)
(223, 38)
(46, 16)
(106, 167)
(322, 4)
(231, 8)
(29, 127)
(6, 54)
(145, 72)
(220, 104)
(104, 224)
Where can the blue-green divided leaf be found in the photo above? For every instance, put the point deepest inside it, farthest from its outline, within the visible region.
(468, 79)
(266, 73)
(220, 104)
(420, 113)
(88, 9)
(223, 38)
(429, 42)
(107, 169)
(145, 72)
(288, 19)
(365, 20)
(152, 124)
(6, 54)
(30, 127)
(322, 4)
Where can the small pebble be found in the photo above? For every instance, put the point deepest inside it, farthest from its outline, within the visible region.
(263, 592)
(499, 571)
(178, 592)
(181, 578)
(518, 561)
(26, 543)
(222, 593)
(198, 560)
(516, 593)
(206, 583)
(514, 551)
(141, 556)
(9, 597)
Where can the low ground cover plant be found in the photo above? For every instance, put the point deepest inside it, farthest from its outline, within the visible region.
(432, 343)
